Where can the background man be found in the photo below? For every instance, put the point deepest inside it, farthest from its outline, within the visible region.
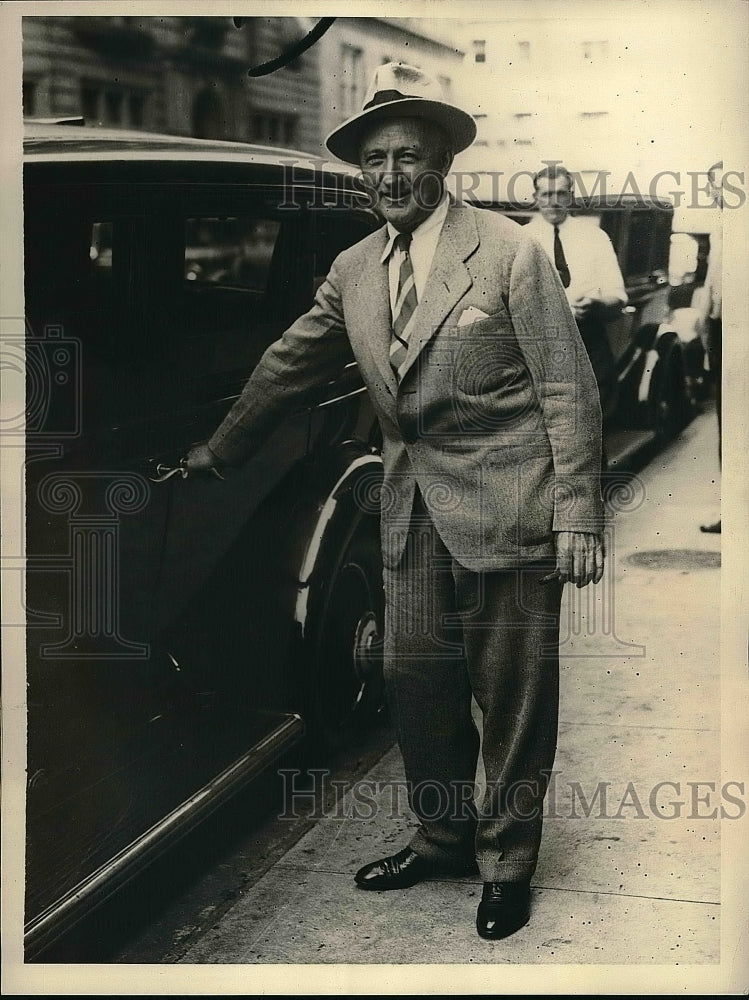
(586, 262)
(491, 500)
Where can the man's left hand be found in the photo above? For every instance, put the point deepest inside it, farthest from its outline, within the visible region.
(580, 557)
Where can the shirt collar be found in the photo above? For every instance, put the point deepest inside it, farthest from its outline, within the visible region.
(437, 217)
(539, 220)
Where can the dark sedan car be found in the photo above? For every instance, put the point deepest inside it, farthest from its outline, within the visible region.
(180, 634)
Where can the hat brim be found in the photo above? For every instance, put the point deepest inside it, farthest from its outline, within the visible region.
(345, 141)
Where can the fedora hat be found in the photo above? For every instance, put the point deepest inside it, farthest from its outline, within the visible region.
(398, 90)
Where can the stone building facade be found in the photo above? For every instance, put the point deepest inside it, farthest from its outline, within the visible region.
(181, 75)
(188, 75)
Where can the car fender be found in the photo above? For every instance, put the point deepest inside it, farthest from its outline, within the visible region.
(664, 349)
(355, 473)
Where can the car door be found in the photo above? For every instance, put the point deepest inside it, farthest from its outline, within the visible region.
(130, 739)
(95, 526)
(244, 273)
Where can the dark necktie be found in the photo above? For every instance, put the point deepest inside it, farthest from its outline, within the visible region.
(560, 261)
(406, 302)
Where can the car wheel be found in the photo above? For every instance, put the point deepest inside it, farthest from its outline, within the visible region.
(668, 403)
(346, 686)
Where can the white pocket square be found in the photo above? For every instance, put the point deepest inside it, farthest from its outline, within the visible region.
(470, 315)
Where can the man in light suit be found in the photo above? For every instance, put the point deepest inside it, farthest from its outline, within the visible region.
(491, 449)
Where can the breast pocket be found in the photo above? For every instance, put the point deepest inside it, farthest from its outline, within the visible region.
(486, 357)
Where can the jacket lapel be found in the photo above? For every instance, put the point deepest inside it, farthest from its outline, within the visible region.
(448, 279)
(375, 301)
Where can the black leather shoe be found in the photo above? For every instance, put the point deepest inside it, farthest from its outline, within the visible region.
(711, 529)
(400, 871)
(505, 907)
(405, 869)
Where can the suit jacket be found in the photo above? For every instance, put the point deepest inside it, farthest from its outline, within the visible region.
(496, 418)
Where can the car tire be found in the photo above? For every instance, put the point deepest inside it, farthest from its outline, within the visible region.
(345, 688)
(668, 403)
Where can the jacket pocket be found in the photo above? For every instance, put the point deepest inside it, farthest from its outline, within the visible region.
(486, 356)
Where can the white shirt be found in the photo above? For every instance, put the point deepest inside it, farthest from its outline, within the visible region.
(594, 269)
(423, 245)
(714, 277)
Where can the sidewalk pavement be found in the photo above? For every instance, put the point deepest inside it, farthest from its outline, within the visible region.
(636, 881)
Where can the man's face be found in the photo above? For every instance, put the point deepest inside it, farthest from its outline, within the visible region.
(404, 162)
(553, 197)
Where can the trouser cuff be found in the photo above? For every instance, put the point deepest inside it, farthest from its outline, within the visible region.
(506, 871)
(427, 849)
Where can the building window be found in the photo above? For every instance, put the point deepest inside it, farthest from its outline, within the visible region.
(29, 92)
(274, 129)
(290, 33)
(351, 89)
(482, 132)
(135, 104)
(446, 84)
(595, 51)
(208, 115)
(479, 50)
(523, 128)
(525, 51)
(289, 131)
(90, 104)
(113, 107)
(107, 105)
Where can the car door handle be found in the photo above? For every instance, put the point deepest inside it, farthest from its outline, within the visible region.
(164, 472)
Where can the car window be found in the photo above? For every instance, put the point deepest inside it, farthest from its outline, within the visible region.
(173, 300)
(68, 262)
(639, 246)
(230, 250)
(101, 246)
(245, 278)
(77, 262)
(335, 231)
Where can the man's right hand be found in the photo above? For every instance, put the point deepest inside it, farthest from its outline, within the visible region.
(201, 461)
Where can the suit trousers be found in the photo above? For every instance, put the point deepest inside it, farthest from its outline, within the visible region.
(452, 634)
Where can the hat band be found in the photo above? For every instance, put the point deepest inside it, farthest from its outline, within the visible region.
(387, 96)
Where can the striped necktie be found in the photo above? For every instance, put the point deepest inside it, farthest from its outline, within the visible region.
(406, 302)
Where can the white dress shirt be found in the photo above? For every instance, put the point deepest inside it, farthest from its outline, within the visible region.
(594, 269)
(714, 277)
(423, 245)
